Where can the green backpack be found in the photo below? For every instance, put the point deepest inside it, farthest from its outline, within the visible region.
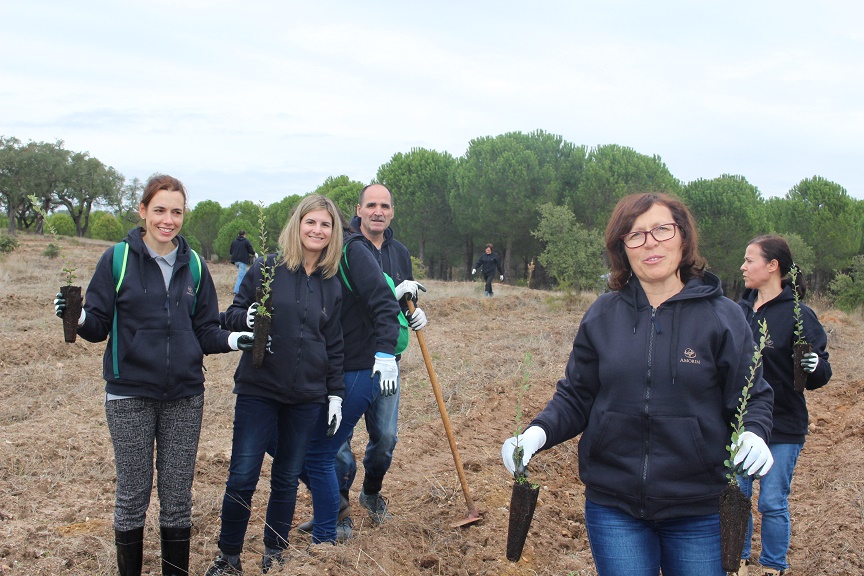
(404, 329)
(118, 270)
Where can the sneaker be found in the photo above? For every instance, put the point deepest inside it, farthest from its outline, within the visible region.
(743, 569)
(344, 529)
(344, 512)
(772, 571)
(268, 561)
(377, 506)
(223, 566)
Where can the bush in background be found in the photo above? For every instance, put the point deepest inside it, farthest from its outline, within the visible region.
(847, 289)
(7, 243)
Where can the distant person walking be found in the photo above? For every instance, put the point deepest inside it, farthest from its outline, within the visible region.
(241, 250)
(154, 392)
(487, 263)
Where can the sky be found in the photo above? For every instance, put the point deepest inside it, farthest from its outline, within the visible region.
(260, 100)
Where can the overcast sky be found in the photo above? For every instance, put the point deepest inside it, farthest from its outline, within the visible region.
(260, 100)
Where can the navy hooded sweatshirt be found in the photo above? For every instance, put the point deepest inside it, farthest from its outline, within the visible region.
(369, 320)
(790, 407)
(653, 393)
(305, 332)
(160, 344)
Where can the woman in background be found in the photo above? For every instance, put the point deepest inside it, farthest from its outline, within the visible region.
(768, 295)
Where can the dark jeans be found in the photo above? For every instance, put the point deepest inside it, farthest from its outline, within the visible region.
(256, 420)
(382, 424)
(319, 472)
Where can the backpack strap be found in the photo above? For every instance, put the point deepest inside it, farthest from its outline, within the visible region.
(118, 271)
(343, 263)
(195, 268)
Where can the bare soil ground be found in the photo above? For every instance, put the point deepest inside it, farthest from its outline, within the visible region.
(57, 470)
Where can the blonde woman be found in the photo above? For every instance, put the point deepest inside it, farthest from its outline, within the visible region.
(299, 387)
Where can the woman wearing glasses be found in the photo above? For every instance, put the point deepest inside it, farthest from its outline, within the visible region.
(652, 385)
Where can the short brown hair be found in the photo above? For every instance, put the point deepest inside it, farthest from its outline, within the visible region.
(629, 208)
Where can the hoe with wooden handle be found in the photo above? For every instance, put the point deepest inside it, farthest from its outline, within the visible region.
(473, 514)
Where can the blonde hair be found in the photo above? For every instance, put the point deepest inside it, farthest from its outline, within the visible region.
(289, 239)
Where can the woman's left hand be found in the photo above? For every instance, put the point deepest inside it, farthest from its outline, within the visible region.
(753, 457)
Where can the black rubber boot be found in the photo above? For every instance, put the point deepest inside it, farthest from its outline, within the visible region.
(130, 551)
(175, 551)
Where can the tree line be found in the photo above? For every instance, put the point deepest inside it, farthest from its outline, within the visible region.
(535, 196)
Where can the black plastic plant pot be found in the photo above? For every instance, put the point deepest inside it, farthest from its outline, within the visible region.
(734, 517)
(799, 350)
(72, 313)
(261, 331)
(523, 501)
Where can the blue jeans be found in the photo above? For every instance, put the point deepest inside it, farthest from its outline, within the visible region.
(774, 506)
(626, 546)
(241, 272)
(255, 421)
(382, 423)
(319, 472)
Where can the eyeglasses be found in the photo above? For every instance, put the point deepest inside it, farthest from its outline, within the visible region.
(660, 233)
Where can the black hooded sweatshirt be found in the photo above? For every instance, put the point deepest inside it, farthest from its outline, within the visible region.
(653, 392)
(790, 407)
(160, 343)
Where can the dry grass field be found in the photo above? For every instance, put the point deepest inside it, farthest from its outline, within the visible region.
(57, 470)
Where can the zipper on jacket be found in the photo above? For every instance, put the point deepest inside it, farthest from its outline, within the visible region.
(302, 323)
(655, 329)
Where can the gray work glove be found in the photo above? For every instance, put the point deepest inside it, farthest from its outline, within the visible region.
(386, 367)
(809, 362)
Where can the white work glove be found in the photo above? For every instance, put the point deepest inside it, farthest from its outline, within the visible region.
(386, 367)
(809, 362)
(753, 457)
(473, 271)
(530, 441)
(409, 287)
(417, 319)
(241, 341)
(334, 415)
(250, 314)
(502, 277)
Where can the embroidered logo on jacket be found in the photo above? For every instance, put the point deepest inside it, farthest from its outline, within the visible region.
(190, 291)
(689, 357)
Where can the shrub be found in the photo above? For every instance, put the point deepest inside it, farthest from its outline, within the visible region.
(418, 268)
(51, 251)
(7, 243)
(61, 224)
(847, 290)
